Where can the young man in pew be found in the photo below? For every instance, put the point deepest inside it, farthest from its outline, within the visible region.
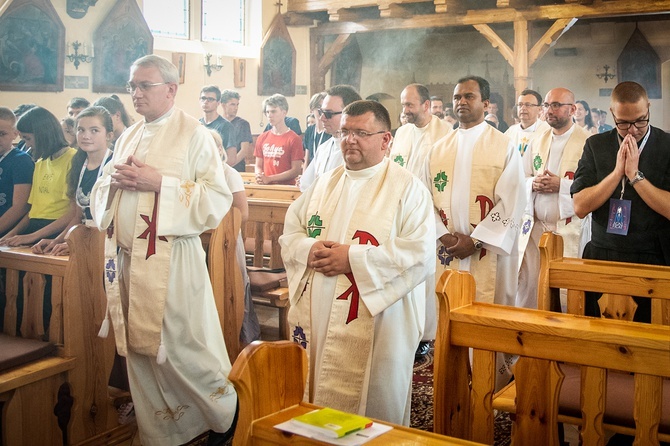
(623, 178)
(357, 247)
(159, 294)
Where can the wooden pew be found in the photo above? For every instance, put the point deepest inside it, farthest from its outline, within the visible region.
(226, 278)
(544, 341)
(83, 360)
(275, 192)
(270, 380)
(266, 223)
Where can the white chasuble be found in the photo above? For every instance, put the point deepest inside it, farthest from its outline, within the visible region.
(521, 137)
(159, 296)
(476, 179)
(412, 144)
(361, 329)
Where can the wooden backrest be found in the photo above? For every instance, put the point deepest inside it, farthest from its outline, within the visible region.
(268, 377)
(618, 280)
(272, 191)
(226, 278)
(266, 223)
(463, 393)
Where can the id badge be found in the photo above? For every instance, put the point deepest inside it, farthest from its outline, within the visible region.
(619, 217)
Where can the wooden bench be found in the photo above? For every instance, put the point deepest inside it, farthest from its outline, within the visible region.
(226, 278)
(544, 341)
(275, 192)
(264, 226)
(270, 380)
(83, 360)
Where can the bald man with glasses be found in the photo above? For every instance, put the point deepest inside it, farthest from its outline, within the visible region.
(623, 179)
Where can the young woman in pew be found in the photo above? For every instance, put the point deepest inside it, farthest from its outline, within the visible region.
(95, 132)
(50, 207)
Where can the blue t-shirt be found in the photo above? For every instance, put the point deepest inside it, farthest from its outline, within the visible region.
(16, 168)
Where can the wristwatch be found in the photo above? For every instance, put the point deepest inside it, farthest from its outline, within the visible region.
(478, 243)
(639, 176)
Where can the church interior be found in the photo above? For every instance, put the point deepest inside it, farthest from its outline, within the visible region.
(54, 50)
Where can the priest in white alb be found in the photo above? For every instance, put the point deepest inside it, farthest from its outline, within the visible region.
(528, 109)
(164, 186)
(357, 247)
(476, 180)
(549, 166)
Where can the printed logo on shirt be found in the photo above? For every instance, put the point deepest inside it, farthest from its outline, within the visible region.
(272, 151)
(47, 179)
(440, 181)
(314, 226)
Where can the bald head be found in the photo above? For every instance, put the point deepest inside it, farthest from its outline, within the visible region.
(560, 110)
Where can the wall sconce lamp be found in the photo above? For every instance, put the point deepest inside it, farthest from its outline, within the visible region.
(76, 57)
(209, 66)
(606, 75)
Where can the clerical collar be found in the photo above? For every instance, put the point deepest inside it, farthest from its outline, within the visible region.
(366, 173)
(160, 119)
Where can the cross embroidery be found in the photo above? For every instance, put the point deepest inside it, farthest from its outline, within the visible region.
(150, 232)
(364, 238)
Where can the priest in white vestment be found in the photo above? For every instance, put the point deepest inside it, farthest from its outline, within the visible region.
(164, 186)
(329, 155)
(357, 247)
(528, 108)
(549, 165)
(410, 148)
(476, 179)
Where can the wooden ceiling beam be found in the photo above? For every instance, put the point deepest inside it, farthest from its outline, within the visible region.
(501, 15)
(497, 42)
(549, 39)
(331, 53)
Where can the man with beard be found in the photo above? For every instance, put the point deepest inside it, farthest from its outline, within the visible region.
(549, 166)
(476, 179)
(528, 107)
(628, 168)
(410, 149)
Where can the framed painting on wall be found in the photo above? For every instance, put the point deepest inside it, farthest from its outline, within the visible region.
(240, 72)
(276, 73)
(122, 37)
(32, 47)
(179, 61)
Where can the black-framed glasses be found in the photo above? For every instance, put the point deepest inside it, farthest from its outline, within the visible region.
(526, 104)
(206, 99)
(625, 125)
(555, 105)
(362, 134)
(142, 86)
(327, 113)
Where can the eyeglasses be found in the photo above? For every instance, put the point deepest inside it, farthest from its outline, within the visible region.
(625, 125)
(362, 134)
(328, 114)
(526, 104)
(554, 105)
(206, 99)
(142, 86)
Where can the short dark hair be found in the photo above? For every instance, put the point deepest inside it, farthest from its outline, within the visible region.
(346, 92)
(537, 95)
(484, 86)
(21, 109)
(422, 91)
(48, 133)
(436, 98)
(629, 92)
(212, 89)
(359, 108)
(227, 95)
(6, 114)
(78, 102)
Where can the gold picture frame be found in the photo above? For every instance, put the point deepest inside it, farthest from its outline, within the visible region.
(179, 61)
(239, 72)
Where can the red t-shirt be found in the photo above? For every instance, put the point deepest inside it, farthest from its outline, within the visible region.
(278, 152)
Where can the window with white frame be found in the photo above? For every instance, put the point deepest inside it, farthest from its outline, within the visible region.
(223, 21)
(167, 18)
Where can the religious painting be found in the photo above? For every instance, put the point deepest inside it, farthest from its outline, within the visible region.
(240, 72)
(179, 61)
(32, 47)
(277, 64)
(348, 66)
(122, 38)
(639, 62)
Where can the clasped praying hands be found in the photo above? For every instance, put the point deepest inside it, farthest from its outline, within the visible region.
(329, 258)
(546, 183)
(134, 175)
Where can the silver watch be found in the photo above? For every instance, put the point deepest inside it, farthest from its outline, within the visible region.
(639, 176)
